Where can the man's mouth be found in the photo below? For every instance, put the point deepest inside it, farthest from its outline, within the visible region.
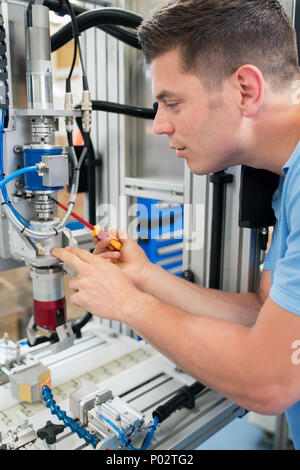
(178, 149)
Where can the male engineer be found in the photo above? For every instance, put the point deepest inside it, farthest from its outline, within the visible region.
(223, 74)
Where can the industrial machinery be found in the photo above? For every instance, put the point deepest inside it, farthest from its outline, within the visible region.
(92, 384)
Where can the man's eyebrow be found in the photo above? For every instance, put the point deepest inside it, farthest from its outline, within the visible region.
(165, 94)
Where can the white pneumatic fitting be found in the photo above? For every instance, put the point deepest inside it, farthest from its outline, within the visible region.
(86, 110)
(69, 121)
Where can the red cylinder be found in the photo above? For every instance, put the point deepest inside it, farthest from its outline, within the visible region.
(50, 315)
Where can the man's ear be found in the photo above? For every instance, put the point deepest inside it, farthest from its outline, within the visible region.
(250, 83)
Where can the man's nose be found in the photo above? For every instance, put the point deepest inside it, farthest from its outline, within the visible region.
(162, 125)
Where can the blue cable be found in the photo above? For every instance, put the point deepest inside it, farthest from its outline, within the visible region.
(69, 422)
(15, 174)
(124, 438)
(4, 192)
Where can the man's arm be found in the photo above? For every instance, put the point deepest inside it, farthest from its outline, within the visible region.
(251, 366)
(236, 308)
(156, 281)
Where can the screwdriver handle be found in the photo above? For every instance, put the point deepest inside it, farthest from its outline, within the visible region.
(115, 244)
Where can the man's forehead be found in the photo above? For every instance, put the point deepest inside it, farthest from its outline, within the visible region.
(168, 78)
(165, 74)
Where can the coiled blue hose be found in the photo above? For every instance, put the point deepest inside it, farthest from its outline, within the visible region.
(69, 422)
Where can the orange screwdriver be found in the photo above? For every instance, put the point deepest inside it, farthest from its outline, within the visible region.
(115, 244)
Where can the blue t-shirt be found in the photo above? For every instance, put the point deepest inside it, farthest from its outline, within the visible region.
(283, 259)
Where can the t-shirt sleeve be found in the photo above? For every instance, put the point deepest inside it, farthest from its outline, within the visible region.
(285, 290)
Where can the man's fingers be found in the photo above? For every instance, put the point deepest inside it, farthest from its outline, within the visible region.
(118, 233)
(69, 258)
(102, 245)
(101, 240)
(73, 285)
(76, 299)
(110, 255)
(84, 255)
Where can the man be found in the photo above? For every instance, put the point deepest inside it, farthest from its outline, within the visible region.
(223, 73)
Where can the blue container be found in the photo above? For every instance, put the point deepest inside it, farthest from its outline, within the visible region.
(161, 233)
(32, 156)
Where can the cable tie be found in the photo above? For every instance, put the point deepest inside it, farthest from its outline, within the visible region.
(24, 228)
(56, 232)
(5, 202)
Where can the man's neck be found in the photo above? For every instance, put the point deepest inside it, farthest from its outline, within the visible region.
(274, 136)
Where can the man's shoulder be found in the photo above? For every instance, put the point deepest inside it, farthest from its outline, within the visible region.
(292, 182)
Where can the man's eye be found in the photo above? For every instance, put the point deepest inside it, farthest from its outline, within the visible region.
(171, 105)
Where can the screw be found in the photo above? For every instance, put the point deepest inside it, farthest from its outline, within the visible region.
(19, 184)
(18, 149)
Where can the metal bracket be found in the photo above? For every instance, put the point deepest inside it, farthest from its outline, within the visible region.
(66, 338)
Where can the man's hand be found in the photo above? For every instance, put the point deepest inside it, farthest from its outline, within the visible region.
(100, 287)
(131, 259)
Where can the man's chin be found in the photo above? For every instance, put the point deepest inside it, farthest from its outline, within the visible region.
(202, 171)
(198, 171)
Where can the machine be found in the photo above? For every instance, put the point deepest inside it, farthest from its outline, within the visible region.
(92, 384)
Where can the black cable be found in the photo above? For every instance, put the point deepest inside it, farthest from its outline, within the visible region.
(122, 34)
(91, 177)
(29, 13)
(75, 31)
(76, 41)
(70, 139)
(92, 18)
(116, 108)
(91, 173)
(58, 6)
(77, 326)
(85, 85)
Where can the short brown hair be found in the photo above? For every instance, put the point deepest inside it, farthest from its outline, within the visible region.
(216, 37)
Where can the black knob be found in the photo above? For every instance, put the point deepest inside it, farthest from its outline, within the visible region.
(50, 431)
(188, 275)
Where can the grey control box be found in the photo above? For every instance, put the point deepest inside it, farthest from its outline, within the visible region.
(57, 173)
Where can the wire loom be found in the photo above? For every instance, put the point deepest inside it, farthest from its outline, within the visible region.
(68, 422)
(83, 433)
